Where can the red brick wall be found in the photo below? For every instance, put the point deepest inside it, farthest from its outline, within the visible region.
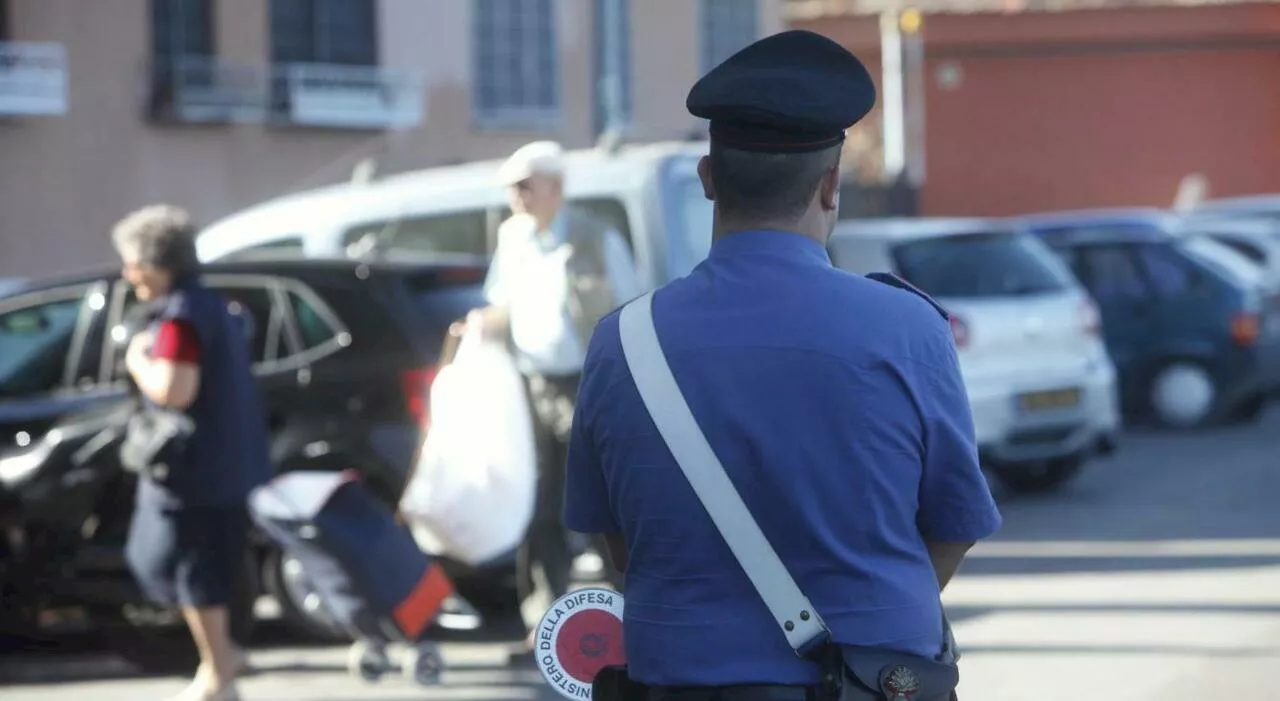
(1098, 108)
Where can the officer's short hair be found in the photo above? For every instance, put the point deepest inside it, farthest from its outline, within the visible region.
(161, 236)
(768, 186)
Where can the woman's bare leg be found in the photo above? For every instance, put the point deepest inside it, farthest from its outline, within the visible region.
(219, 657)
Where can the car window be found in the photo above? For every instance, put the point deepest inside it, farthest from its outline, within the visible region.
(1245, 248)
(1112, 274)
(312, 326)
(88, 368)
(464, 231)
(1168, 273)
(978, 265)
(34, 344)
(1222, 260)
(1073, 259)
(1064, 234)
(609, 210)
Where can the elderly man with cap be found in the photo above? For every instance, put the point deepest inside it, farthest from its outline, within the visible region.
(833, 401)
(555, 273)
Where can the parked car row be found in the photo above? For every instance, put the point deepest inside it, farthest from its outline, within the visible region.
(344, 352)
(1170, 315)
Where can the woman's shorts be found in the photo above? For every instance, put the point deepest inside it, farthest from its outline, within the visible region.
(189, 556)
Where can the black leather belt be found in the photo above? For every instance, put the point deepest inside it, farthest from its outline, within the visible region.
(732, 693)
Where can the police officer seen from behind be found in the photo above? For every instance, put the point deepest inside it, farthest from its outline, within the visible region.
(189, 533)
(556, 271)
(834, 401)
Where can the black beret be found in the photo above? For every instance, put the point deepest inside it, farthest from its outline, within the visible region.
(790, 92)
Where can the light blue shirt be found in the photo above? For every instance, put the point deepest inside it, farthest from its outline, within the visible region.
(528, 276)
(836, 404)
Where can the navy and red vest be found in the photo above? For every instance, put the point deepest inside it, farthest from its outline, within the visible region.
(229, 453)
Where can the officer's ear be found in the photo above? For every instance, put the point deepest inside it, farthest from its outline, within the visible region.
(829, 189)
(704, 174)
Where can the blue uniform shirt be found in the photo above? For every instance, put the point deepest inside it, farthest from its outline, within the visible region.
(229, 453)
(836, 404)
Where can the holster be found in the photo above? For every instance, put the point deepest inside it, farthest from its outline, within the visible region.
(869, 674)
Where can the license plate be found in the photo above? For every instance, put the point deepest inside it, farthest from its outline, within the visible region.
(1047, 401)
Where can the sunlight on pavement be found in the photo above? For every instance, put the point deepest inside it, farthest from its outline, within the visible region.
(1151, 635)
(475, 672)
(1258, 586)
(1117, 657)
(1173, 634)
(1252, 547)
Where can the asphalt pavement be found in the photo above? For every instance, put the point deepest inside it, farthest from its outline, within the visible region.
(1153, 577)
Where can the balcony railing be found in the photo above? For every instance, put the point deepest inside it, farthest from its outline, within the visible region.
(352, 97)
(207, 89)
(33, 78)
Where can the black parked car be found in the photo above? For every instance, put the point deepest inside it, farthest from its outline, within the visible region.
(344, 353)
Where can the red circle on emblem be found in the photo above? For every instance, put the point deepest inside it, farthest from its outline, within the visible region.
(589, 641)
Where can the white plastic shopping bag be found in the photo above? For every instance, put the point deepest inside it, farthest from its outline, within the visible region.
(472, 495)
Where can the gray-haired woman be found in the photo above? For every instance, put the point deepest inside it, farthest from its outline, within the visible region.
(189, 530)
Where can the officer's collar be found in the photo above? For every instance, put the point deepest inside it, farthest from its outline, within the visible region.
(773, 242)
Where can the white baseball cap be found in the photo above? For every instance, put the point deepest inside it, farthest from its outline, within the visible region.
(537, 158)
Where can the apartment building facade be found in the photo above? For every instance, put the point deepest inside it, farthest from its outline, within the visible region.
(218, 104)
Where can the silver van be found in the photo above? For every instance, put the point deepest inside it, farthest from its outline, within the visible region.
(651, 193)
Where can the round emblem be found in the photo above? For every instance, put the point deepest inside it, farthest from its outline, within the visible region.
(580, 635)
(901, 683)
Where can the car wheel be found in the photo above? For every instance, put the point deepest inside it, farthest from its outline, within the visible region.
(1183, 395)
(301, 607)
(1037, 477)
(155, 640)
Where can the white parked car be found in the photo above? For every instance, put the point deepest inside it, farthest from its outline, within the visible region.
(1041, 385)
(649, 192)
(1255, 239)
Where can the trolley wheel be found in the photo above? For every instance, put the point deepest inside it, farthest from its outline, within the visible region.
(422, 664)
(368, 661)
